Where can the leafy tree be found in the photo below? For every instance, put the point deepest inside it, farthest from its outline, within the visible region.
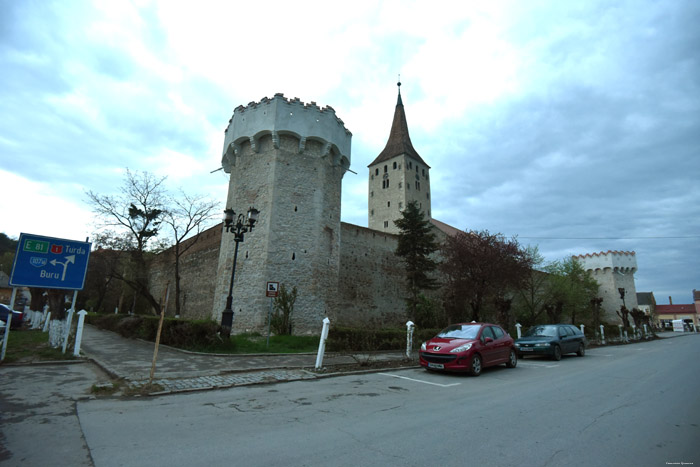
(532, 297)
(415, 246)
(8, 247)
(137, 211)
(187, 216)
(572, 289)
(281, 321)
(481, 268)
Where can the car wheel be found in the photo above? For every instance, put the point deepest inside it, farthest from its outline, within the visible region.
(581, 350)
(557, 353)
(512, 359)
(475, 367)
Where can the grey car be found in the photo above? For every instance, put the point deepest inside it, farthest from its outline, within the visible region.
(553, 340)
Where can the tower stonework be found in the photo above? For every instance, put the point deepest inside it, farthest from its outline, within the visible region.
(396, 177)
(287, 159)
(612, 270)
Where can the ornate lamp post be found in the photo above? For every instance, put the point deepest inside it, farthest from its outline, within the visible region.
(622, 295)
(238, 226)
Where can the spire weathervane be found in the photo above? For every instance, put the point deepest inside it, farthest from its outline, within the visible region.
(399, 83)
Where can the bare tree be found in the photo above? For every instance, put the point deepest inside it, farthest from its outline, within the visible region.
(187, 217)
(138, 211)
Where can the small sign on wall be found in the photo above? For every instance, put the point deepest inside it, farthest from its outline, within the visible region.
(273, 289)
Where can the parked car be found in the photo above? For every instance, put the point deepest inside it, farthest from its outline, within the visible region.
(553, 340)
(17, 316)
(468, 347)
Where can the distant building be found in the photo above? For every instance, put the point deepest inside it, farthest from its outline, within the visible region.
(688, 313)
(646, 302)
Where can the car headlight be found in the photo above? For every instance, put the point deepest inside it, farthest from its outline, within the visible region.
(423, 347)
(461, 348)
(542, 344)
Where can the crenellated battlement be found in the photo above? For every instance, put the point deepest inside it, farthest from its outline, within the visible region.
(616, 261)
(279, 115)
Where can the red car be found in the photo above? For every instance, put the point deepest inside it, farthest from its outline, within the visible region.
(468, 347)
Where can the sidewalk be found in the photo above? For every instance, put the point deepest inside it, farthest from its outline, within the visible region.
(177, 370)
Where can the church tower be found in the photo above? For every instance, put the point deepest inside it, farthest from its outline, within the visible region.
(286, 159)
(397, 176)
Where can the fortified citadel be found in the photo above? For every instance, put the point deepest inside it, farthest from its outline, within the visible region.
(287, 159)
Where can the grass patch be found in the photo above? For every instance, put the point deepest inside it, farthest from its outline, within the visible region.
(255, 343)
(26, 346)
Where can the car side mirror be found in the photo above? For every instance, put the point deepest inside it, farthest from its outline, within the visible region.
(488, 340)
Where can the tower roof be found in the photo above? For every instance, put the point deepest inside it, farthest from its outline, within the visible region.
(399, 140)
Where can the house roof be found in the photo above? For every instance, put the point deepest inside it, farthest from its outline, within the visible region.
(399, 140)
(675, 309)
(645, 298)
(446, 228)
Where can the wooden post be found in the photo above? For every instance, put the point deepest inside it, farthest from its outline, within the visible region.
(160, 328)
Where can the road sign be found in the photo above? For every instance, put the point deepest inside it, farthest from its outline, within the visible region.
(273, 289)
(50, 263)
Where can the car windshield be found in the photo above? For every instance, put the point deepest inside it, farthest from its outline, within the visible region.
(460, 331)
(542, 331)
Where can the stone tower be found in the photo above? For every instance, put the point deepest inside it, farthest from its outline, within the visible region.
(612, 270)
(396, 177)
(287, 159)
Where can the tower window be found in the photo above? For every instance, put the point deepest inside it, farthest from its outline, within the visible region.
(371, 213)
(385, 168)
(387, 183)
(400, 184)
(400, 205)
(386, 224)
(416, 169)
(388, 204)
(423, 172)
(371, 194)
(408, 185)
(394, 165)
(417, 185)
(376, 171)
(427, 196)
(410, 165)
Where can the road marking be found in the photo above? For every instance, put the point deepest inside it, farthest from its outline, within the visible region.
(421, 381)
(542, 365)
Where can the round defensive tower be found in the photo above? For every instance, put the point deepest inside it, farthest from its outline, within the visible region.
(613, 270)
(287, 159)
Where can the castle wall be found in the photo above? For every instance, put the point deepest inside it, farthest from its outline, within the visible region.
(197, 275)
(372, 280)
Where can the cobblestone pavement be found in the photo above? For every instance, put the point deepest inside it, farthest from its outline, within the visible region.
(176, 370)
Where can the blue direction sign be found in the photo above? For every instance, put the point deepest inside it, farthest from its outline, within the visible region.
(50, 263)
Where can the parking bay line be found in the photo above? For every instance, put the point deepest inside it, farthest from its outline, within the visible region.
(421, 381)
(540, 365)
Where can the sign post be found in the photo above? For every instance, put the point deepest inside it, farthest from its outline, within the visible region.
(272, 290)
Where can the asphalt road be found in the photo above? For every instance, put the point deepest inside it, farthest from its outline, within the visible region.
(629, 405)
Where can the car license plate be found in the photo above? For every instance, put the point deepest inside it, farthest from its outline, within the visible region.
(437, 366)
(526, 349)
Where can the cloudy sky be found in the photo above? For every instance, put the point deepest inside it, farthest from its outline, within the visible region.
(574, 125)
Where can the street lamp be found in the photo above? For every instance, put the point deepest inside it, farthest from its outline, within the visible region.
(622, 295)
(238, 226)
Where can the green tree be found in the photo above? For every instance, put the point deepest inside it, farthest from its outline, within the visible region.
(415, 246)
(572, 289)
(8, 247)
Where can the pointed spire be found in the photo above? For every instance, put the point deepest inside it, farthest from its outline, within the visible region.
(399, 140)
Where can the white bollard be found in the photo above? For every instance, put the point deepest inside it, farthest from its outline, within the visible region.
(7, 336)
(582, 328)
(69, 319)
(517, 328)
(602, 334)
(46, 323)
(409, 337)
(646, 331)
(322, 343)
(79, 332)
(619, 326)
(116, 310)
